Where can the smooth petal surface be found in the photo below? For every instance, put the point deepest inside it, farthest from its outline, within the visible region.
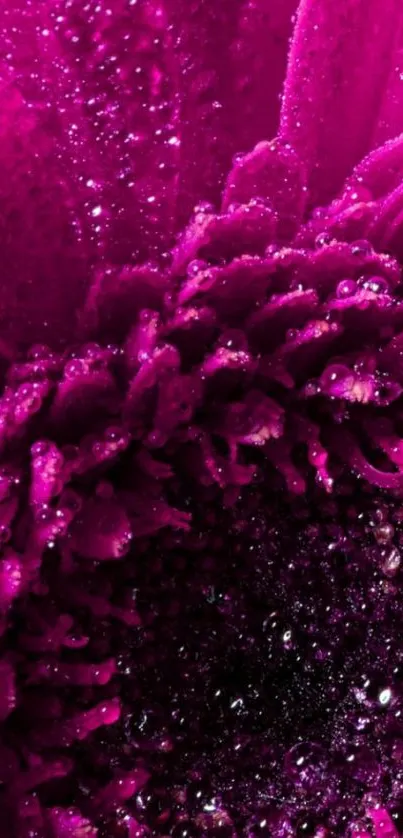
(106, 79)
(203, 34)
(44, 241)
(378, 173)
(121, 63)
(390, 121)
(273, 174)
(260, 58)
(231, 61)
(340, 60)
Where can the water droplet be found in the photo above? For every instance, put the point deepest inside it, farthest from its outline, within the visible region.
(195, 267)
(319, 213)
(40, 352)
(323, 240)
(306, 765)
(376, 284)
(361, 763)
(384, 533)
(385, 696)
(288, 639)
(237, 158)
(233, 207)
(362, 247)
(391, 562)
(346, 288)
(75, 368)
(203, 208)
(41, 448)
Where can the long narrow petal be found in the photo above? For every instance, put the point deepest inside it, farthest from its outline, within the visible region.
(340, 60)
(260, 59)
(232, 59)
(390, 122)
(44, 242)
(203, 34)
(120, 59)
(105, 76)
(378, 173)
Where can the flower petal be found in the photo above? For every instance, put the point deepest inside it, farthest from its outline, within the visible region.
(45, 251)
(102, 531)
(260, 56)
(273, 173)
(390, 122)
(232, 57)
(8, 689)
(340, 59)
(112, 70)
(378, 173)
(121, 62)
(203, 33)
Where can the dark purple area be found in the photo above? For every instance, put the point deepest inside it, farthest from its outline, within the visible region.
(201, 456)
(200, 581)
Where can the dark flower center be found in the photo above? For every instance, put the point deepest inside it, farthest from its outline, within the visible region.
(201, 534)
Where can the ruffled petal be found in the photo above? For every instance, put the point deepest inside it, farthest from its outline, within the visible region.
(340, 59)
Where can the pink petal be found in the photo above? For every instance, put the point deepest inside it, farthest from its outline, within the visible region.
(260, 58)
(390, 121)
(116, 296)
(113, 70)
(122, 788)
(231, 60)
(340, 59)
(122, 63)
(203, 33)
(44, 242)
(383, 824)
(8, 694)
(387, 225)
(378, 173)
(271, 172)
(102, 531)
(11, 578)
(69, 823)
(245, 229)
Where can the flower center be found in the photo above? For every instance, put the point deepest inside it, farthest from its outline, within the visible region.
(201, 537)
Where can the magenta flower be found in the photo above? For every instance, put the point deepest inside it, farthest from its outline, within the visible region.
(201, 420)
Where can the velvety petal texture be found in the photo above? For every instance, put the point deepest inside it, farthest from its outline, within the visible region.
(45, 243)
(273, 175)
(259, 54)
(340, 61)
(231, 62)
(201, 419)
(390, 116)
(143, 106)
